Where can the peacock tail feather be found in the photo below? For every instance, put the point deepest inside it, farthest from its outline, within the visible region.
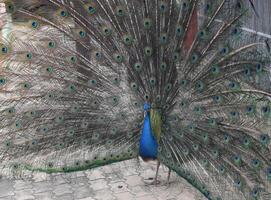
(75, 74)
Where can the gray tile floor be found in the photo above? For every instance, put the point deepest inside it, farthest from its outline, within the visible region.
(120, 181)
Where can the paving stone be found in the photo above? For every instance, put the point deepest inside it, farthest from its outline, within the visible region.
(22, 185)
(44, 186)
(7, 198)
(77, 174)
(62, 189)
(82, 192)
(114, 177)
(147, 197)
(107, 169)
(79, 181)
(65, 197)
(98, 184)
(38, 177)
(130, 171)
(104, 195)
(6, 188)
(59, 179)
(103, 183)
(124, 196)
(186, 196)
(44, 196)
(25, 194)
(140, 191)
(95, 174)
(88, 198)
(119, 187)
(134, 180)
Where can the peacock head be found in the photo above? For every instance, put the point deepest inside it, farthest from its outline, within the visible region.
(147, 106)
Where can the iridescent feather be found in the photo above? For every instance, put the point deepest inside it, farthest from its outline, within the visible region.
(75, 75)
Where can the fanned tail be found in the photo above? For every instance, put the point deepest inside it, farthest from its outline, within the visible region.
(74, 79)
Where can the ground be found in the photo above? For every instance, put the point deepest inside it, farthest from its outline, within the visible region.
(120, 181)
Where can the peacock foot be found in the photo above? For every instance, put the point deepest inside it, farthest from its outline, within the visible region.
(152, 181)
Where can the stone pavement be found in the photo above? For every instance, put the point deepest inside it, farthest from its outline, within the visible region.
(119, 181)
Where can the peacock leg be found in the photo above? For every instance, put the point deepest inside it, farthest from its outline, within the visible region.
(156, 181)
(156, 174)
(168, 177)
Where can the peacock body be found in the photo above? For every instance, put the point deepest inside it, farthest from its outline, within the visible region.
(85, 83)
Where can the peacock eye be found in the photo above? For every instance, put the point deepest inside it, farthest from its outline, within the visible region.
(152, 81)
(138, 67)
(163, 66)
(199, 85)
(107, 31)
(259, 68)
(232, 85)
(222, 169)
(134, 86)
(29, 56)
(176, 57)
(128, 40)
(255, 193)
(120, 11)
(148, 51)
(238, 183)
(217, 98)
(179, 31)
(224, 50)
(147, 23)
(265, 109)
(91, 9)
(82, 34)
(194, 58)
(207, 7)
(233, 113)
(51, 44)
(168, 87)
(2, 81)
(26, 85)
(118, 58)
(163, 7)
(163, 39)
(247, 71)
(239, 5)
(237, 158)
(10, 7)
(226, 137)
(4, 50)
(35, 24)
(63, 13)
(49, 69)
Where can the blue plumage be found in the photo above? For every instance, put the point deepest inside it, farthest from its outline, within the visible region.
(148, 143)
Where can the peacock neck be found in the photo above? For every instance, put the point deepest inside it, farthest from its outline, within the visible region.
(149, 140)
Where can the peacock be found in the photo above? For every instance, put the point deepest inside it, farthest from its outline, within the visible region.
(87, 83)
